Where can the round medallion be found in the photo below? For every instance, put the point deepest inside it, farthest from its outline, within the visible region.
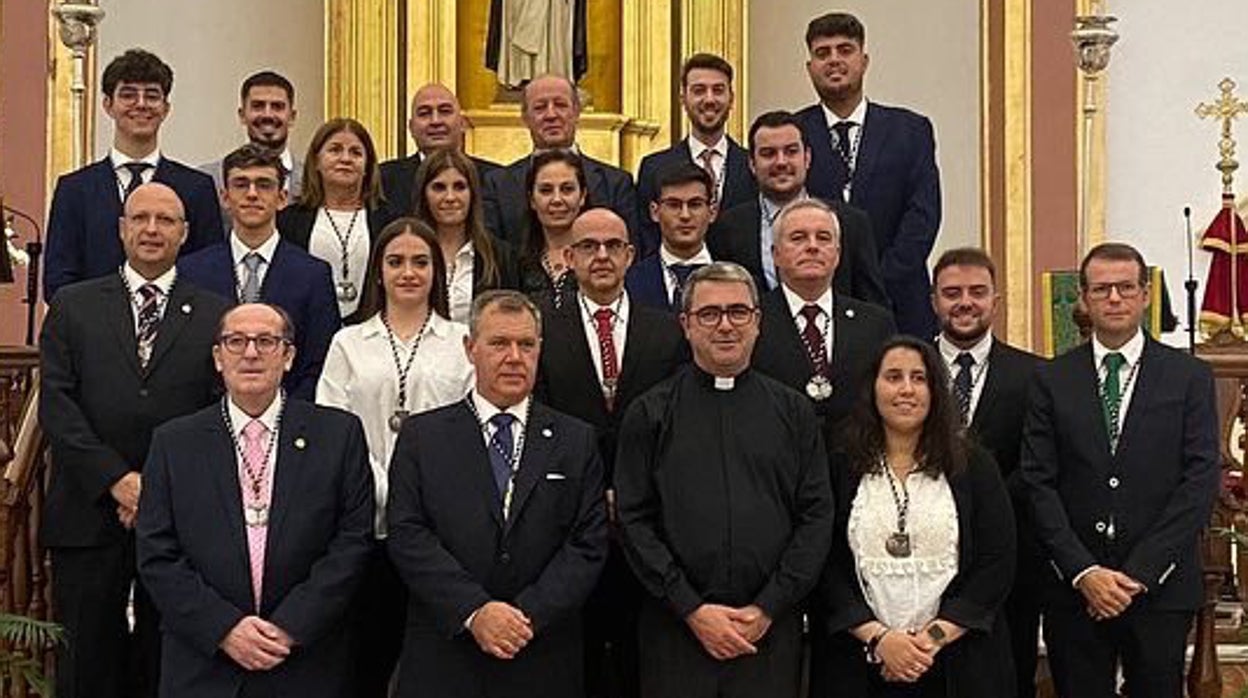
(396, 420)
(347, 291)
(819, 388)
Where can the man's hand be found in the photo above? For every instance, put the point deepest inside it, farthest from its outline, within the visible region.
(126, 490)
(500, 629)
(715, 628)
(126, 516)
(905, 657)
(1108, 592)
(256, 644)
(750, 622)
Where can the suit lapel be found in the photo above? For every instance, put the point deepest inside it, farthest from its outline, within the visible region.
(538, 441)
(754, 244)
(733, 164)
(275, 271)
(636, 335)
(120, 314)
(992, 388)
(779, 324)
(107, 188)
(293, 442)
(223, 460)
(1149, 375)
(1086, 398)
(874, 134)
(178, 310)
(464, 428)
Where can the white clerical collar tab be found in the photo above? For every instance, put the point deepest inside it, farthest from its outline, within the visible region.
(725, 382)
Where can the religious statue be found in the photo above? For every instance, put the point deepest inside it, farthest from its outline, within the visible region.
(1223, 313)
(528, 38)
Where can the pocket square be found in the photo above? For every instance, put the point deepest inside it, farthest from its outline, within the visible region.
(556, 476)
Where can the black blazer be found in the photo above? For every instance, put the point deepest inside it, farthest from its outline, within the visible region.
(295, 223)
(454, 552)
(979, 664)
(739, 185)
(98, 408)
(398, 179)
(83, 240)
(654, 347)
(736, 237)
(508, 269)
(858, 331)
(1157, 489)
(507, 203)
(193, 557)
(998, 420)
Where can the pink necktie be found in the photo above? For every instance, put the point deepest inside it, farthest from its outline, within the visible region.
(254, 448)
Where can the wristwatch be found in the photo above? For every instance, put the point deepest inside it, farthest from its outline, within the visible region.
(936, 634)
(873, 644)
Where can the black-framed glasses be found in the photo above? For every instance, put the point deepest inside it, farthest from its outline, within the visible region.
(672, 204)
(1126, 289)
(241, 185)
(236, 342)
(738, 314)
(589, 248)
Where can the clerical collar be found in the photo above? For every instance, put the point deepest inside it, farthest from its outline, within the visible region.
(950, 351)
(720, 383)
(858, 115)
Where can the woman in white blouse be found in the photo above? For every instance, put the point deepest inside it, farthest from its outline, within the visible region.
(406, 357)
(923, 556)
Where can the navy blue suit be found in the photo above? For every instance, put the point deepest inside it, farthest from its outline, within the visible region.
(645, 283)
(83, 226)
(896, 182)
(295, 281)
(739, 185)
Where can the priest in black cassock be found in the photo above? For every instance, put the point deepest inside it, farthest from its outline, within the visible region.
(723, 497)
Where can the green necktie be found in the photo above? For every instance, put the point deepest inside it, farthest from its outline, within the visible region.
(1111, 395)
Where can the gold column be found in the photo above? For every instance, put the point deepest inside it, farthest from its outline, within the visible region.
(61, 136)
(430, 52)
(362, 68)
(720, 27)
(647, 79)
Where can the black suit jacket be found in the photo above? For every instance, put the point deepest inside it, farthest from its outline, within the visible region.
(193, 556)
(507, 203)
(83, 226)
(858, 331)
(455, 552)
(1157, 489)
(654, 347)
(737, 237)
(739, 185)
(998, 420)
(98, 407)
(295, 223)
(398, 178)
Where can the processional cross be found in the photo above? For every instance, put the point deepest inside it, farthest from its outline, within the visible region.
(1223, 236)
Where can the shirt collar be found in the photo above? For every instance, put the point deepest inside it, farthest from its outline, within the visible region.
(796, 302)
(697, 147)
(950, 351)
(120, 159)
(1130, 351)
(589, 307)
(466, 252)
(164, 282)
(771, 209)
(288, 161)
(486, 409)
(858, 115)
(268, 418)
(266, 250)
(374, 326)
(703, 256)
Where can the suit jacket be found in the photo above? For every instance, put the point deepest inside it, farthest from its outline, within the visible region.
(1157, 489)
(998, 420)
(645, 284)
(654, 347)
(737, 237)
(398, 176)
(739, 185)
(98, 407)
(83, 225)
(455, 552)
(507, 202)
(297, 282)
(858, 331)
(898, 185)
(193, 556)
(295, 223)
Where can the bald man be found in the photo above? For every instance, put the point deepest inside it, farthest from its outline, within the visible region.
(436, 122)
(120, 354)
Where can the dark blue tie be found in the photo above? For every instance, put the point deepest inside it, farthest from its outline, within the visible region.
(136, 170)
(963, 386)
(682, 273)
(500, 450)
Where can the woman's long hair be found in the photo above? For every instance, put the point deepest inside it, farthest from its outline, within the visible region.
(436, 163)
(374, 300)
(313, 192)
(534, 237)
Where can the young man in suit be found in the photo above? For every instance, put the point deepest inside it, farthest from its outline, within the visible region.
(436, 122)
(706, 94)
(267, 110)
(550, 108)
(82, 222)
(1121, 465)
(683, 210)
(779, 160)
(119, 354)
(989, 384)
(881, 159)
(497, 525)
(599, 355)
(255, 265)
(254, 529)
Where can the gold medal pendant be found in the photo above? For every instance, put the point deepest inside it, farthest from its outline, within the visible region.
(898, 544)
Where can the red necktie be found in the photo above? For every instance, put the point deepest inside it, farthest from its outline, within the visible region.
(603, 325)
(813, 338)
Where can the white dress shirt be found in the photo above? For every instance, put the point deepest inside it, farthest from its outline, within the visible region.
(460, 270)
(1127, 373)
(269, 418)
(119, 161)
(135, 280)
(486, 411)
(619, 329)
(858, 116)
(825, 324)
(359, 376)
(667, 259)
(718, 162)
(979, 372)
(325, 244)
(239, 249)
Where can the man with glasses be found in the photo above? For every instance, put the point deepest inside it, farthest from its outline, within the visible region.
(255, 527)
(82, 222)
(1120, 461)
(255, 265)
(722, 488)
(598, 356)
(683, 211)
(119, 355)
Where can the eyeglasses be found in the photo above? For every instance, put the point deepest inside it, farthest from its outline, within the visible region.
(132, 95)
(236, 342)
(241, 185)
(674, 205)
(738, 314)
(1126, 289)
(163, 221)
(589, 248)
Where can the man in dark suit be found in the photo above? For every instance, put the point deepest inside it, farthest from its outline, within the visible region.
(706, 94)
(881, 159)
(82, 222)
(551, 108)
(256, 265)
(119, 354)
(683, 211)
(435, 122)
(1120, 461)
(497, 525)
(780, 159)
(254, 529)
(597, 356)
(989, 384)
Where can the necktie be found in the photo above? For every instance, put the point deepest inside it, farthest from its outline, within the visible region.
(843, 145)
(962, 385)
(500, 451)
(603, 325)
(136, 170)
(255, 447)
(707, 158)
(681, 272)
(149, 318)
(814, 340)
(250, 292)
(1111, 395)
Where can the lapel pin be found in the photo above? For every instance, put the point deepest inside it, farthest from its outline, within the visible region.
(300, 443)
(186, 308)
(849, 312)
(547, 432)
